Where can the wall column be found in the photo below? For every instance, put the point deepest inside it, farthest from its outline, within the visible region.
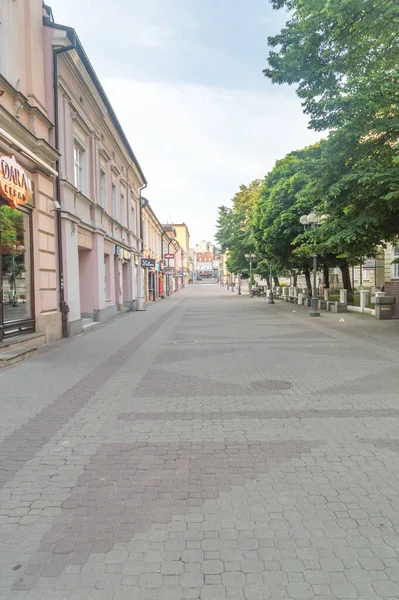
(71, 276)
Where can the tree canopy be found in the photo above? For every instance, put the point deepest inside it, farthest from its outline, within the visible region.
(234, 227)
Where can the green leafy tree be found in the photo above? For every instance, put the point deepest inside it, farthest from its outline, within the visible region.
(343, 57)
(234, 228)
(275, 222)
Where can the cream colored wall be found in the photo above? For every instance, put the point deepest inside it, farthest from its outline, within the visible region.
(183, 237)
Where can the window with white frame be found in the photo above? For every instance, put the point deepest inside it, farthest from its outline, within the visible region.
(79, 162)
(103, 188)
(113, 200)
(395, 266)
(366, 274)
(132, 219)
(123, 209)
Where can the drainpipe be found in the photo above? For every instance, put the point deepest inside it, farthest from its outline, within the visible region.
(63, 305)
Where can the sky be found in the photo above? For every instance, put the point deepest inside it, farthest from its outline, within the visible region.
(185, 80)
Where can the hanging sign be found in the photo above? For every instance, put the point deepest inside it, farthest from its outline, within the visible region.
(15, 186)
(148, 263)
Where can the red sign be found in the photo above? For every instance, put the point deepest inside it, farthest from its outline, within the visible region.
(15, 186)
(169, 256)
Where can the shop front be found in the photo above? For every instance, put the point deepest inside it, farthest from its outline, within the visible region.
(28, 248)
(150, 278)
(16, 286)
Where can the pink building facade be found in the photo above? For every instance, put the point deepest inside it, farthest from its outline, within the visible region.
(100, 181)
(29, 298)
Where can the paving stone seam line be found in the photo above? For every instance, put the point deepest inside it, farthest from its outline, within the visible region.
(22, 445)
(266, 414)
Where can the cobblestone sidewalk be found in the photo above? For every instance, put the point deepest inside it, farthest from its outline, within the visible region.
(215, 447)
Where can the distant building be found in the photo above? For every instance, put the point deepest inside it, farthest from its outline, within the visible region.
(183, 237)
(205, 268)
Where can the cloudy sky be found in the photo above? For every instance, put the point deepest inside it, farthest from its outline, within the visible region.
(185, 79)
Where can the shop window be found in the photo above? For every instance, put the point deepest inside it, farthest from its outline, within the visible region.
(15, 265)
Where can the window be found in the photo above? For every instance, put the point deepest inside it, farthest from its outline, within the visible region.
(132, 220)
(395, 267)
(366, 274)
(145, 232)
(113, 200)
(123, 210)
(103, 188)
(79, 167)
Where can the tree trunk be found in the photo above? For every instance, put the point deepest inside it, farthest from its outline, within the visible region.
(308, 281)
(294, 276)
(268, 281)
(326, 277)
(346, 281)
(276, 281)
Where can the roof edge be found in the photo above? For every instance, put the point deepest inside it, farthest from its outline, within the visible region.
(89, 68)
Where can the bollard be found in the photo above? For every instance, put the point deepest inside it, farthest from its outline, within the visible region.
(364, 299)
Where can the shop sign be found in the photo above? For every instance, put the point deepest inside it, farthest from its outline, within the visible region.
(136, 259)
(15, 186)
(148, 263)
(169, 271)
(169, 256)
(126, 255)
(119, 251)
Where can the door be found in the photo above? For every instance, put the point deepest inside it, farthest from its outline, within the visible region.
(16, 298)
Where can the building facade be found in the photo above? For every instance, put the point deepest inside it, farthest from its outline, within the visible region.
(175, 265)
(205, 265)
(98, 188)
(152, 261)
(29, 294)
(183, 237)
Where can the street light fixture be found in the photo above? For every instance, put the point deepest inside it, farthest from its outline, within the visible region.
(313, 220)
(250, 257)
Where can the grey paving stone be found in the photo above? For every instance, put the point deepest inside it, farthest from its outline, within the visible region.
(178, 470)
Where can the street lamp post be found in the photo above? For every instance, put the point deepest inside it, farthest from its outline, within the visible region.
(250, 257)
(271, 299)
(314, 221)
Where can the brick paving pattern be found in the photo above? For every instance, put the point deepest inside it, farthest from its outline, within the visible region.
(215, 447)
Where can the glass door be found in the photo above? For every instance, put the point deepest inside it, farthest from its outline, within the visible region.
(16, 307)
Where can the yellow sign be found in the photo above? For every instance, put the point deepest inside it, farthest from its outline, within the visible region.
(15, 186)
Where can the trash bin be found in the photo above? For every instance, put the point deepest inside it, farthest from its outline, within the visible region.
(384, 307)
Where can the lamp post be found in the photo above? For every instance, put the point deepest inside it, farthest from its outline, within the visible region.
(271, 299)
(250, 257)
(313, 220)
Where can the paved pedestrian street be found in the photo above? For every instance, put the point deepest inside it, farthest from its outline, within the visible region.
(214, 447)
